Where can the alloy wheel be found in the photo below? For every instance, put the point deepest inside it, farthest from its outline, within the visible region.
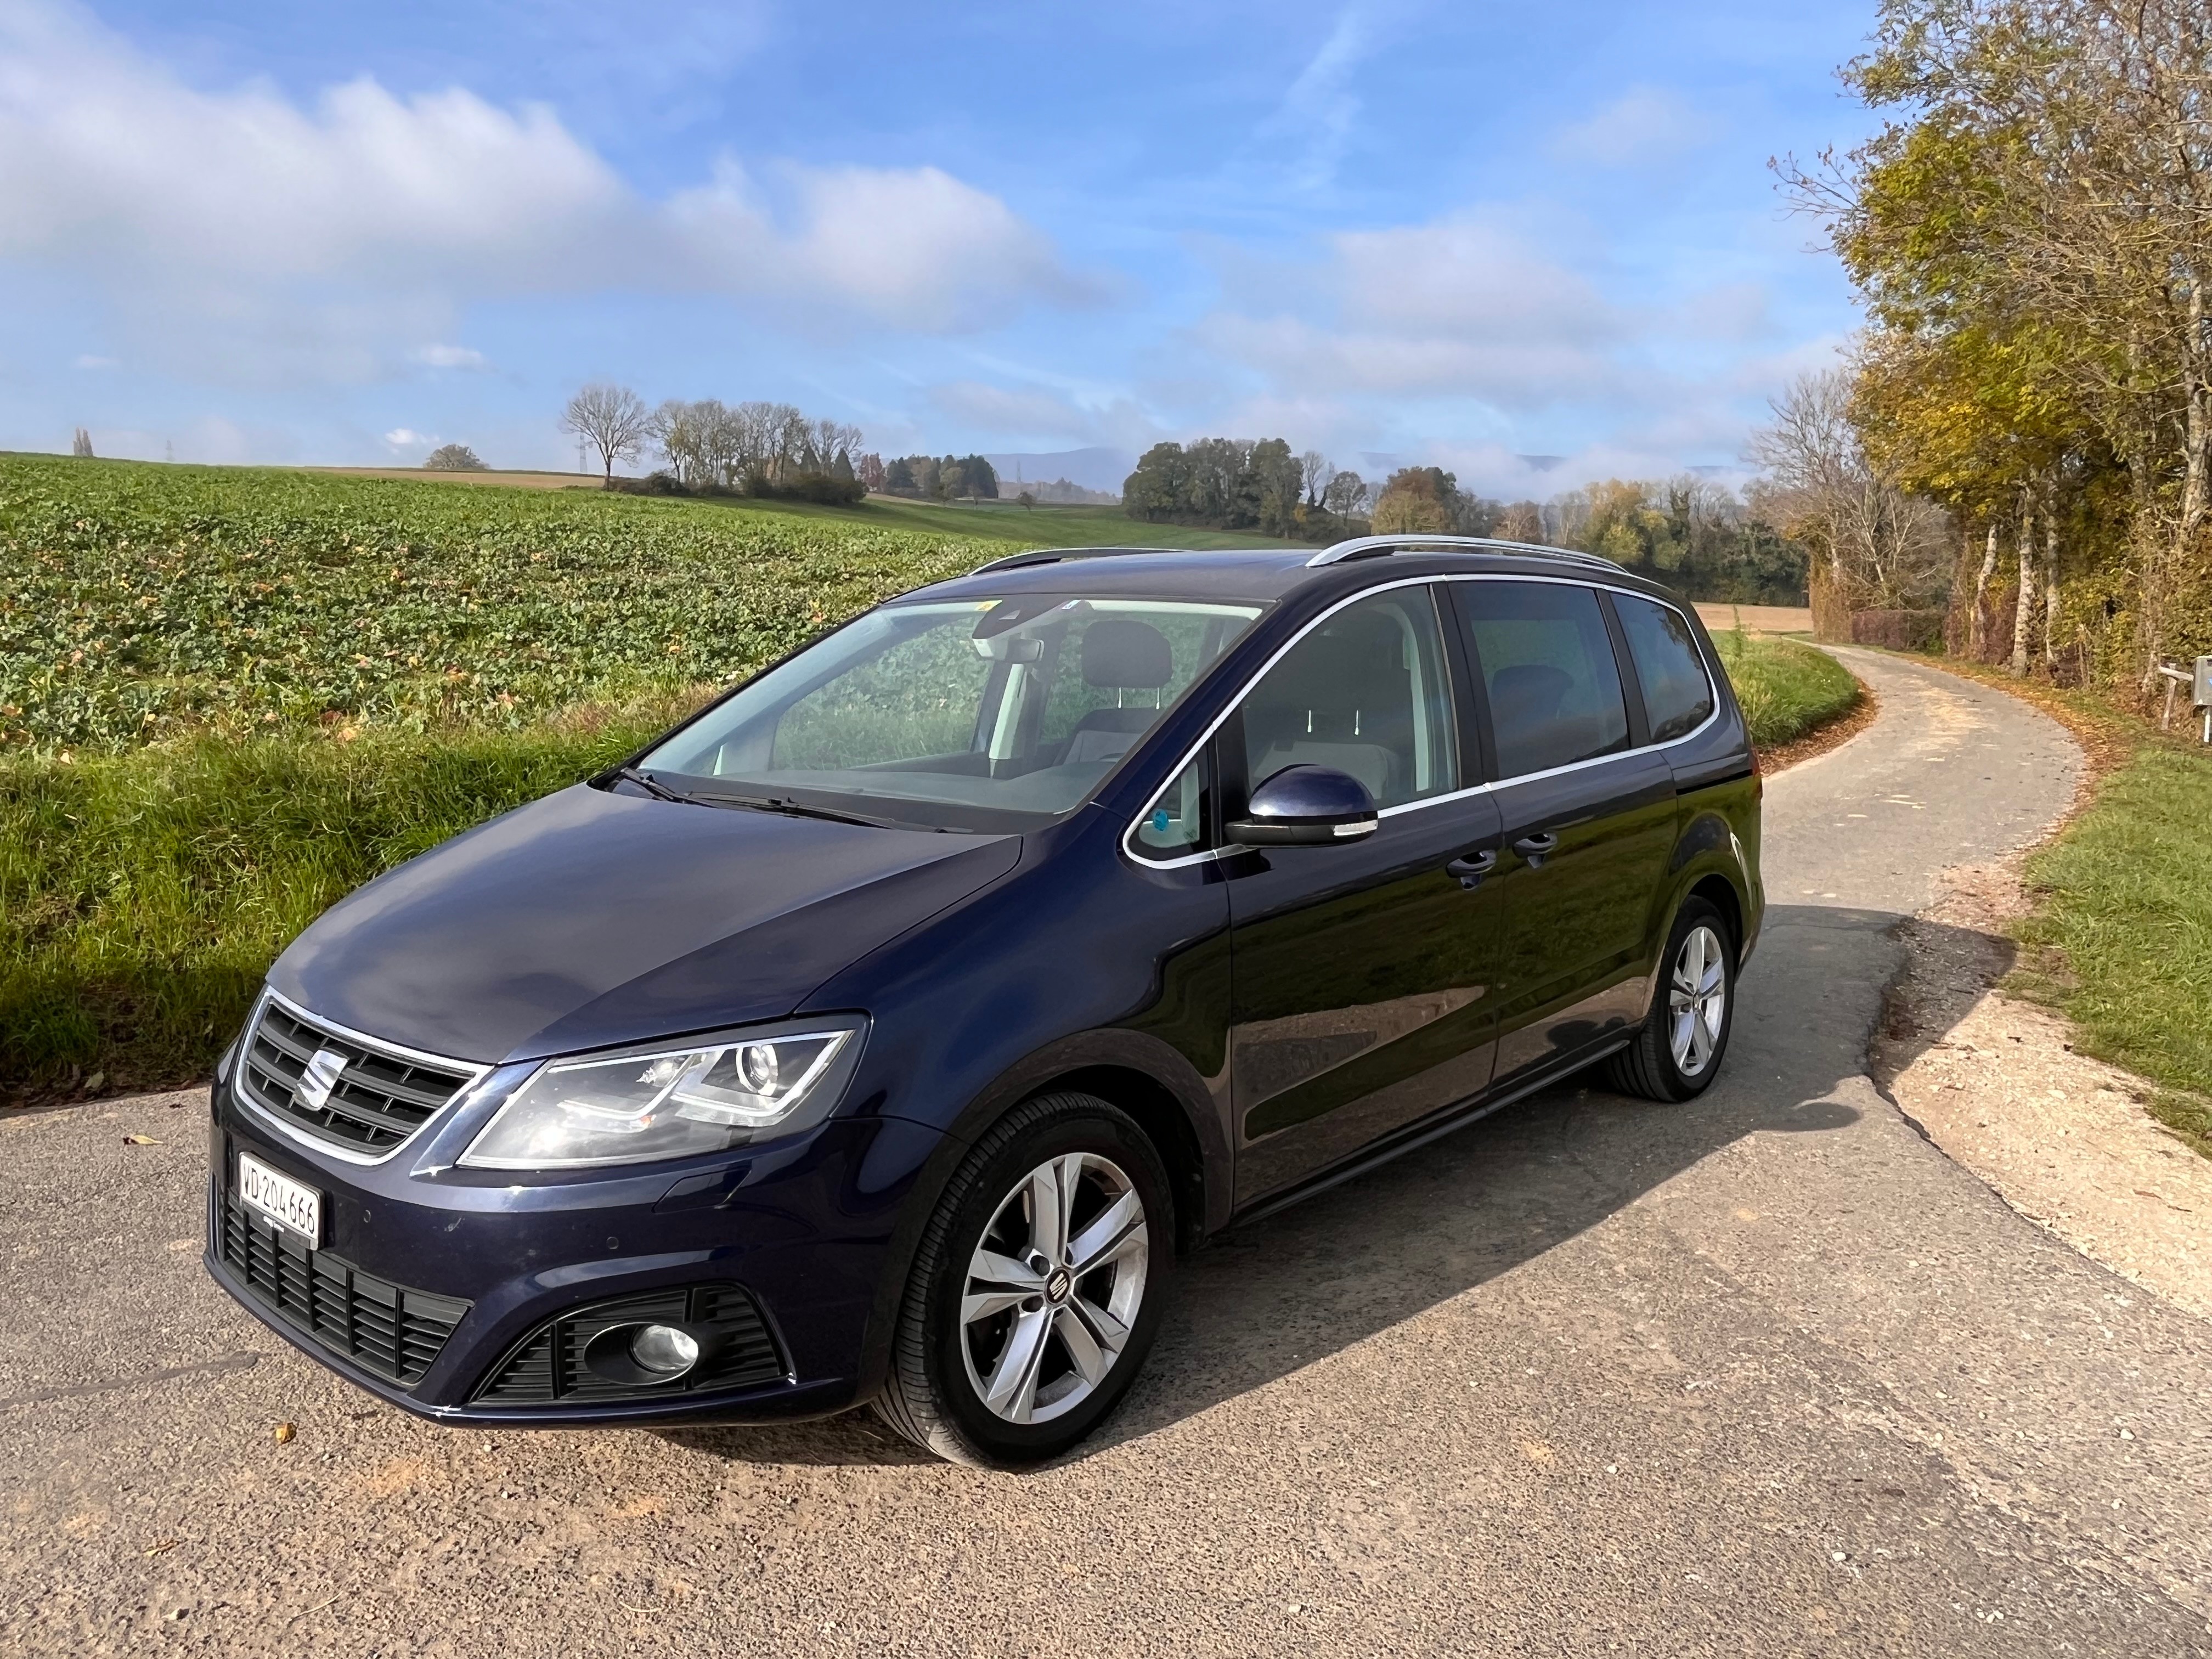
(1696, 1001)
(1054, 1288)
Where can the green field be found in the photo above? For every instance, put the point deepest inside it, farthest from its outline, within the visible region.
(230, 696)
(138, 599)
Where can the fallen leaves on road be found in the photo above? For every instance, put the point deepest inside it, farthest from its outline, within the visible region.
(163, 1547)
(285, 1434)
(140, 1140)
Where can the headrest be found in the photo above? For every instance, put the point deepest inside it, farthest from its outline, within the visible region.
(1529, 691)
(1126, 654)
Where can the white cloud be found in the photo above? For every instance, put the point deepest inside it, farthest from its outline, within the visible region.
(1644, 126)
(90, 362)
(1506, 333)
(1465, 306)
(448, 357)
(1319, 107)
(402, 437)
(322, 238)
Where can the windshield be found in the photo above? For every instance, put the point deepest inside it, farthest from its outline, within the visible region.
(972, 713)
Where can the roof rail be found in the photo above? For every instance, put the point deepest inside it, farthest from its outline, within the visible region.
(1375, 547)
(1054, 555)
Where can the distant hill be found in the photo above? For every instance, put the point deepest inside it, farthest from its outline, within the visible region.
(1092, 469)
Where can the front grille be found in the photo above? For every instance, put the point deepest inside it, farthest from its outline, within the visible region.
(549, 1365)
(394, 1331)
(380, 1098)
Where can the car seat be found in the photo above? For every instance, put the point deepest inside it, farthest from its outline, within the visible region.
(1127, 656)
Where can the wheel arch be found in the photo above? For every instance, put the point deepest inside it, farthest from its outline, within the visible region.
(1144, 1076)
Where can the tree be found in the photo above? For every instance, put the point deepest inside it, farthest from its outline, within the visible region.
(1315, 470)
(2032, 231)
(1027, 500)
(1523, 522)
(453, 457)
(612, 419)
(870, 470)
(1345, 494)
(80, 444)
(1416, 498)
(1879, 547)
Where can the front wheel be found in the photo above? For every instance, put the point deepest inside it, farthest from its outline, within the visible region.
(1036, 1289)
(1677, 1051)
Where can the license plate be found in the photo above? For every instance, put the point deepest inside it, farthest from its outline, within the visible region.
(292, 1206)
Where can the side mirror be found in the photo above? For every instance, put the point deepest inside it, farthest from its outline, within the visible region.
(1306, 806)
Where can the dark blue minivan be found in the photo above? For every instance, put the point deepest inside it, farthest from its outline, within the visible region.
(887, 1031)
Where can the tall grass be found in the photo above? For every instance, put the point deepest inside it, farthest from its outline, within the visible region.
(143, 895)
(1786, 689)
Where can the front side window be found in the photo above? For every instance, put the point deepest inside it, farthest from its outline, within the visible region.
(971, 714)
(1174, 825)
(1678, 698)
(1363, 692)
(1546, 662)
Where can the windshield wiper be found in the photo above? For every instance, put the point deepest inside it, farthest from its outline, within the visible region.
(798, 809)
(653, 786)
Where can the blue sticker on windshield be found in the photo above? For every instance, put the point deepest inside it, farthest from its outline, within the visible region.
(1160, 822)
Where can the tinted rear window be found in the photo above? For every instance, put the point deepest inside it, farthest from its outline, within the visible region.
(1678, 697)
(1546, 659)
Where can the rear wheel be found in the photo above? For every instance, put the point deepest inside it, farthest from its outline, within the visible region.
(1036, 1289)
(1677, 1051)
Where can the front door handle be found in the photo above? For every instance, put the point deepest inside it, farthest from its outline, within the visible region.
(1534, 849)
(1472, 867)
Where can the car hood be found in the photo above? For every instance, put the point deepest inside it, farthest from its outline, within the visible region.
(592, 918)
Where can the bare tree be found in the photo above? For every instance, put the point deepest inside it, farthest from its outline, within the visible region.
(1880, 547)
(1315, 472)
(612, 419)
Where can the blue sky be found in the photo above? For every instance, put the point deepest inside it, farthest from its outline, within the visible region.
(1461, 234)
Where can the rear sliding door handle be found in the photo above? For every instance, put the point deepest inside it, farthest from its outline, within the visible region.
(1474, 867)
(1534, 849)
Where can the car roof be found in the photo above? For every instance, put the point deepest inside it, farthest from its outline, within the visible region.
(1265, 574)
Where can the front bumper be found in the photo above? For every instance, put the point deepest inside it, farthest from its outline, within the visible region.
(438, 1277)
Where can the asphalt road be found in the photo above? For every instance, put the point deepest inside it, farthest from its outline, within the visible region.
(1766, 1374)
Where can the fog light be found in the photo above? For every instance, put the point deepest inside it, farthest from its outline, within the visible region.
(664, 1350)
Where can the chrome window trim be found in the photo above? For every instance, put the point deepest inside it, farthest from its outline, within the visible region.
(270, 1117)
(1260, 673)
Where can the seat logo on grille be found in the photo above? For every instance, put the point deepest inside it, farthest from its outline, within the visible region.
(318, 1079)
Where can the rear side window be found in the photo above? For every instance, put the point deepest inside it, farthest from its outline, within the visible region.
(1677, 697)
(1546, 658)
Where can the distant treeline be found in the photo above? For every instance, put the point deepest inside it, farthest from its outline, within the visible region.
(932, 478)
(1233, 483)
(1693, 535)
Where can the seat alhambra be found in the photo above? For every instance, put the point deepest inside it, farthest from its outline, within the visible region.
(886, 1032)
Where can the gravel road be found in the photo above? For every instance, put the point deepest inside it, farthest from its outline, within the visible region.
(1763, 1373)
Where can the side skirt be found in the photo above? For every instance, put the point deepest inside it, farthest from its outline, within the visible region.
(1449, 1121)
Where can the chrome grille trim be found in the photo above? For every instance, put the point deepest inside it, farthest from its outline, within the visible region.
(388, 1095)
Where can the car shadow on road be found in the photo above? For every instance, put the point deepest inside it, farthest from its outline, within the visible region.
(1266, 1299)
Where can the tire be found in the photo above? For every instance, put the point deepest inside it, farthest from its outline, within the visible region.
(1670, 1059)
(957, 1384)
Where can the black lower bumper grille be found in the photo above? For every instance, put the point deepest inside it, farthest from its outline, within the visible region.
(740, 1351)
(388, 1328)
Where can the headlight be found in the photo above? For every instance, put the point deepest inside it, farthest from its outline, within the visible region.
(672, 1103)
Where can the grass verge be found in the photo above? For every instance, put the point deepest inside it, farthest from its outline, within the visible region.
(2119, 938)
(143, 895)
(1786, 689)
